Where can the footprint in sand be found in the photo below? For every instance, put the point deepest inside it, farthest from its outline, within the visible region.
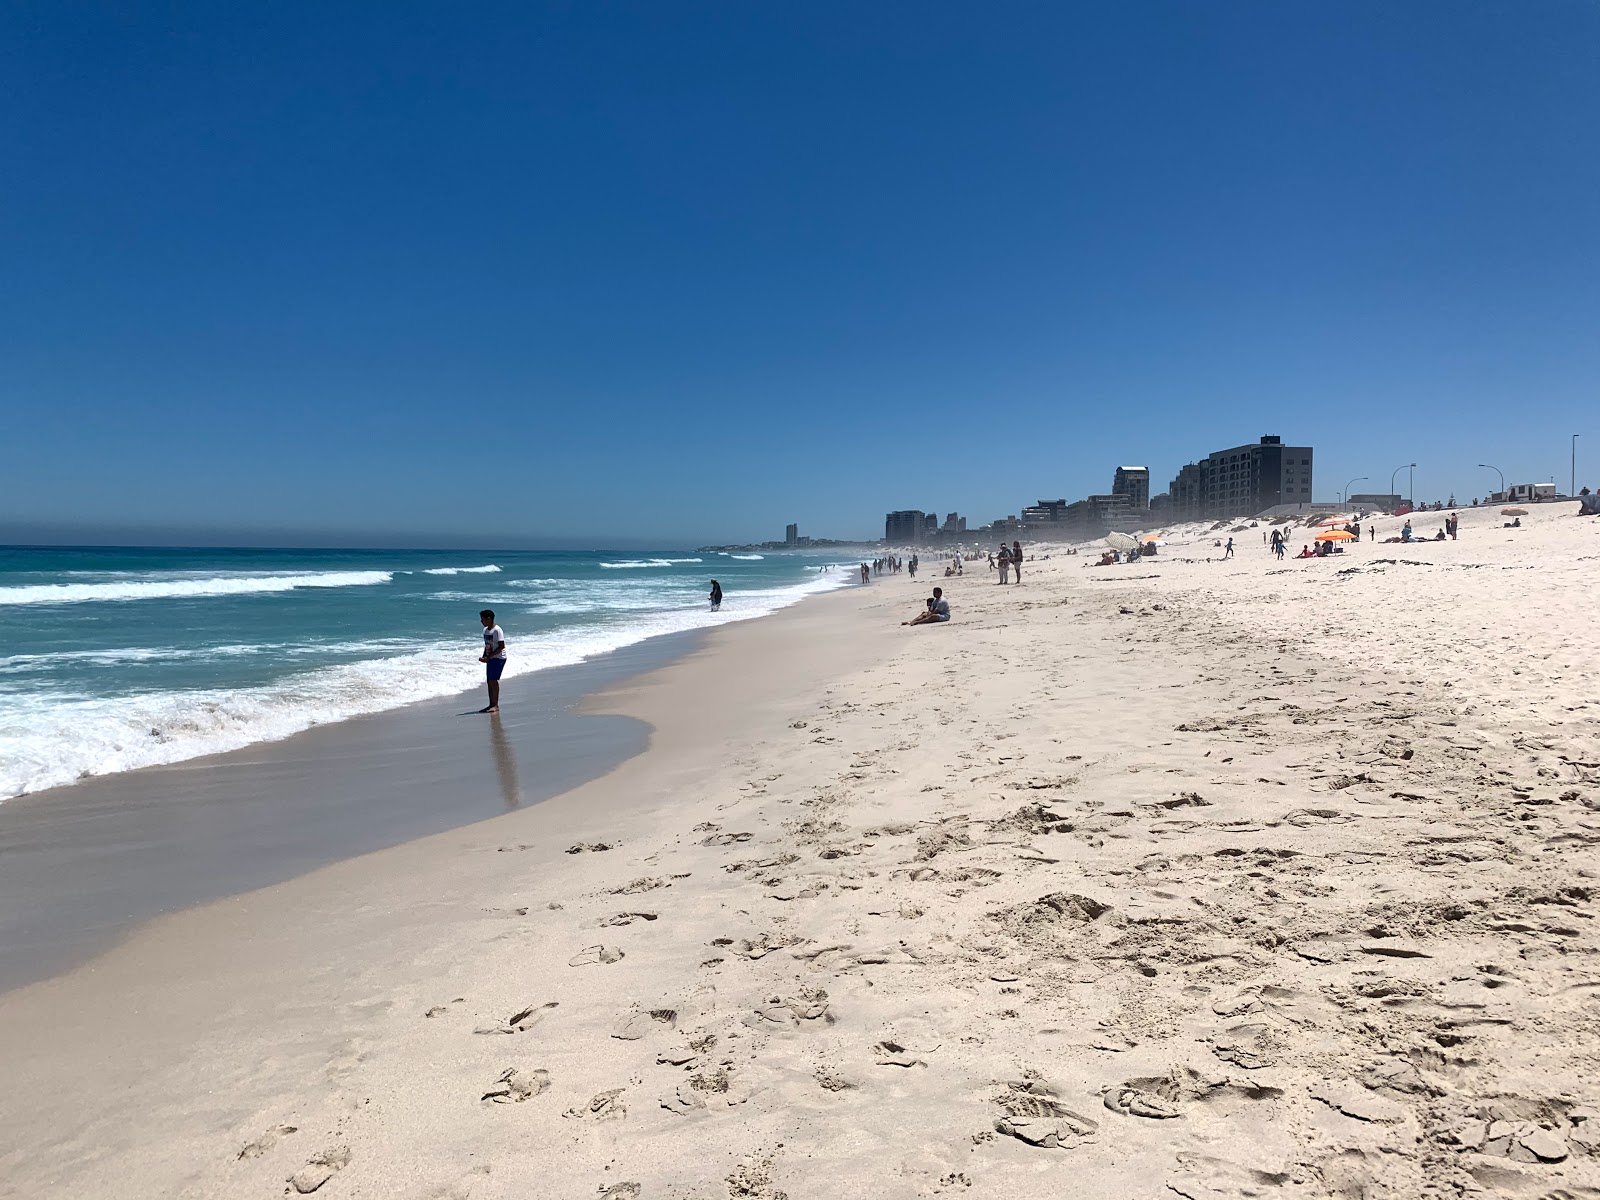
(518, 1022)
(642, 884)
(754, 948)
(726, 839)
(621, 1191)
(1201, 1177)
(1043, 1121)
(893, 1054)
(1136, 1102)
(626, 918)
(632, 1026)
(595, 954)
(588, 847)
(319, 1170)
(685, 1101)
(804, 1009)
(514, 1086)
(266, 1141)
(604, 1106)
(1250, 1046)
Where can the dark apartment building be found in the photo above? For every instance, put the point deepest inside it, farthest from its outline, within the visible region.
(1134, 483)
(1242, 481)
(903, 528)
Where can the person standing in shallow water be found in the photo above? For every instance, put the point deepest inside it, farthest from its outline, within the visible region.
(493, 657)
(716, 596)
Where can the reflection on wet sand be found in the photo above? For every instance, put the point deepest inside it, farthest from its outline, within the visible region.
(505, 763)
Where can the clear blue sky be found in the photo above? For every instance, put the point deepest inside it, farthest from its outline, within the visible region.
(671, 271)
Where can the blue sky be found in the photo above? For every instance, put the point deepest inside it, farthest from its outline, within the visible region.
(664, 272)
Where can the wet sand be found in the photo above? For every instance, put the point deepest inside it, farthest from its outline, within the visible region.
(81, 865)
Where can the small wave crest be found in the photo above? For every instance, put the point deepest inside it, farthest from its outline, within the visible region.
(487, 569)
(156, 589)
(639, 564)
(748, 557)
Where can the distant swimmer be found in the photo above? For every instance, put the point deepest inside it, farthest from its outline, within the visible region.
(493, 658)
(716, 596)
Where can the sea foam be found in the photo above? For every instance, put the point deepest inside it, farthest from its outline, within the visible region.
(156, 589)
(635, 564)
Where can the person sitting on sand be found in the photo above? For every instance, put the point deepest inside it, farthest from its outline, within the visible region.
(938, 610)
(1405, 532)
(1305, 552)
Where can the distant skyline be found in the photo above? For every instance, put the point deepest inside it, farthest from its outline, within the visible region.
(663, 274)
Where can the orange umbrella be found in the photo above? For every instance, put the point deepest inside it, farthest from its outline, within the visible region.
(1335, 535)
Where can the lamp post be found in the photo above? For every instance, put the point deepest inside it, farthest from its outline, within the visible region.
(1500, 473)
(1357, 479)
(1573, 489)
(1397, 471)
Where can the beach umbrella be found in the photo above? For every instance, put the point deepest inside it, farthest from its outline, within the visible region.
(1335, 535)
(1332, 521)
(1513, 512)
(1156, 538)
(1121, 541)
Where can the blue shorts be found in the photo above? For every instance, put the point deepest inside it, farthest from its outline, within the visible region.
(495, 667)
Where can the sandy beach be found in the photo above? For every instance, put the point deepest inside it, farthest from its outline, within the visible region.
(1182, 878)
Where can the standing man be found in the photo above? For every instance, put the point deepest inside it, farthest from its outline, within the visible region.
(494, 657)
(1227, 551)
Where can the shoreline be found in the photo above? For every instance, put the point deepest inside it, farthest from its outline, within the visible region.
(87, 862)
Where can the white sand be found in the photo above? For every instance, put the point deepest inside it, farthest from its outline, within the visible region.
(1180, 878)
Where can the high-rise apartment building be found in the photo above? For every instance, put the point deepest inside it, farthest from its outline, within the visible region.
(791, 535)
(1242, 481)
(903, 528)
(1134, 483)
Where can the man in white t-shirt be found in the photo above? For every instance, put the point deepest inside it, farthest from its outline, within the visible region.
(493, 658)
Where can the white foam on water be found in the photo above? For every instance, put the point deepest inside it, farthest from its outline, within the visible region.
(748, 557)
(156, 589)
(53, 740)
(488, 569)
(637, 564)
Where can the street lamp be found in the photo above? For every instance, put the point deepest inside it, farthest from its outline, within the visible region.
(1397, 471)
(1500, 473)
(1357, 479)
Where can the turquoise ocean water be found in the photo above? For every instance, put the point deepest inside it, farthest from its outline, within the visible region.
(113, 659)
